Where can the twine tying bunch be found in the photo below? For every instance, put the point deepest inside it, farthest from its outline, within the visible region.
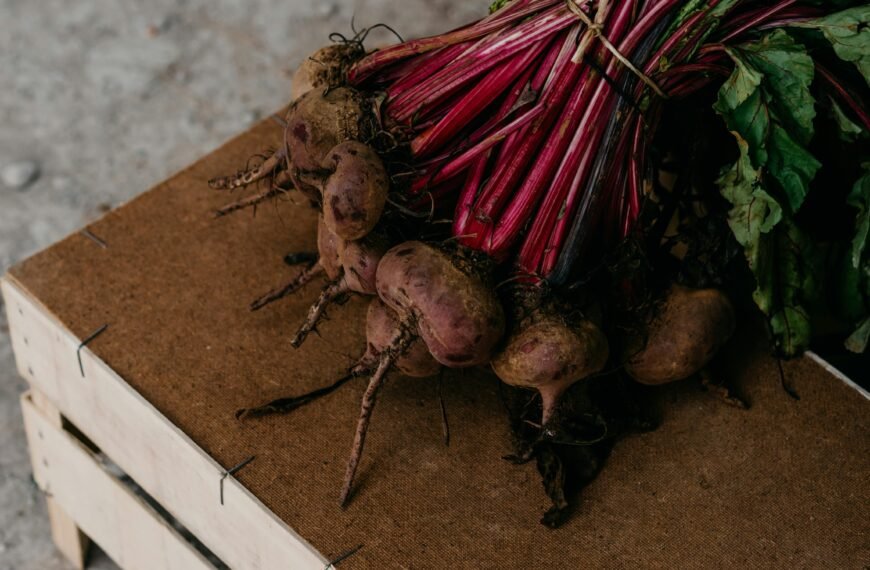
(595, 29)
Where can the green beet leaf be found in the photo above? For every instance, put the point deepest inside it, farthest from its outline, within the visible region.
(785, 263)
(754, 212)
(858, 340)
(767, 101)
(848, 129)
(797, 283)
(859, 197)
(849, 34)
(792, 165)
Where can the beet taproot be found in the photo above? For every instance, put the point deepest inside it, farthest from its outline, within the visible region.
(328, 262)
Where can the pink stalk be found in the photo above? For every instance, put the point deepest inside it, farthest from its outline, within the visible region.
(646, 24)
(542, 148)
(456, 165)
(758, 19)
(552, 211)
(400, 71)
(576, 207)
(669, 44)
(469, 195)
(691, 46)
(555, 149)
(589, 146)
(573, 171)
(540, 85)
(486, 137)
(513, 12)
(681, 87)
(844, 96)
(435, 61)
(675, 74)
(483, 59)
(551, 144)
(632, 187)
(445, 167)
(635, 177)
(498, 191)
(477, 99)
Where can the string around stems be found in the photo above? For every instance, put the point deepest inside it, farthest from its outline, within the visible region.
(596, 27)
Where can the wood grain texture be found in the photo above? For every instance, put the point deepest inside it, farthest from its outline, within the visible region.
(161, 459)
(128, 529)
(67, 536)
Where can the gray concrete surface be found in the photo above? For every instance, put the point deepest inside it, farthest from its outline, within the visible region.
(106, 98)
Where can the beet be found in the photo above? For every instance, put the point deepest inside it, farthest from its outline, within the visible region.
(328, 246)
(687, 330)
(381, 324)
(355, 194)
(450, 308)
(355, 275)
(319, 121)
(326, 67)
(548, 355)
(456, 314)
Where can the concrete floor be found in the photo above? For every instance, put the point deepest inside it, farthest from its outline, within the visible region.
(108, 97)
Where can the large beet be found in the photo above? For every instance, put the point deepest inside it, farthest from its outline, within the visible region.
(457, 315)
(686, 332)
(320, 120)
(325, 68)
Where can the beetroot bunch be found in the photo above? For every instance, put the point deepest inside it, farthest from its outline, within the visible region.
(538, 132)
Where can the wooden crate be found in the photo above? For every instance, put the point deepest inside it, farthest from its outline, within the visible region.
(155, 393)
(85, 500)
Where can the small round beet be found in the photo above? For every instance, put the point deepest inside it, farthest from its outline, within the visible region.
(548, 355)
(683, 336)
(327, 67)
(355, 194)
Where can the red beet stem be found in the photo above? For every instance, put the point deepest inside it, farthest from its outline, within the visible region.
(467, 197)
(758, 18)
(475, 101)
(551, 155)
(513, 12)
(844, 96)
(532, 85)
(512, 167)
(486, 55)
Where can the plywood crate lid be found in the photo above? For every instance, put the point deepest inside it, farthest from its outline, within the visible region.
(781, 485)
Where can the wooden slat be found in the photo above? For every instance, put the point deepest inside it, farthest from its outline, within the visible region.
(67, 537)
(167, 464)
(128, 529)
